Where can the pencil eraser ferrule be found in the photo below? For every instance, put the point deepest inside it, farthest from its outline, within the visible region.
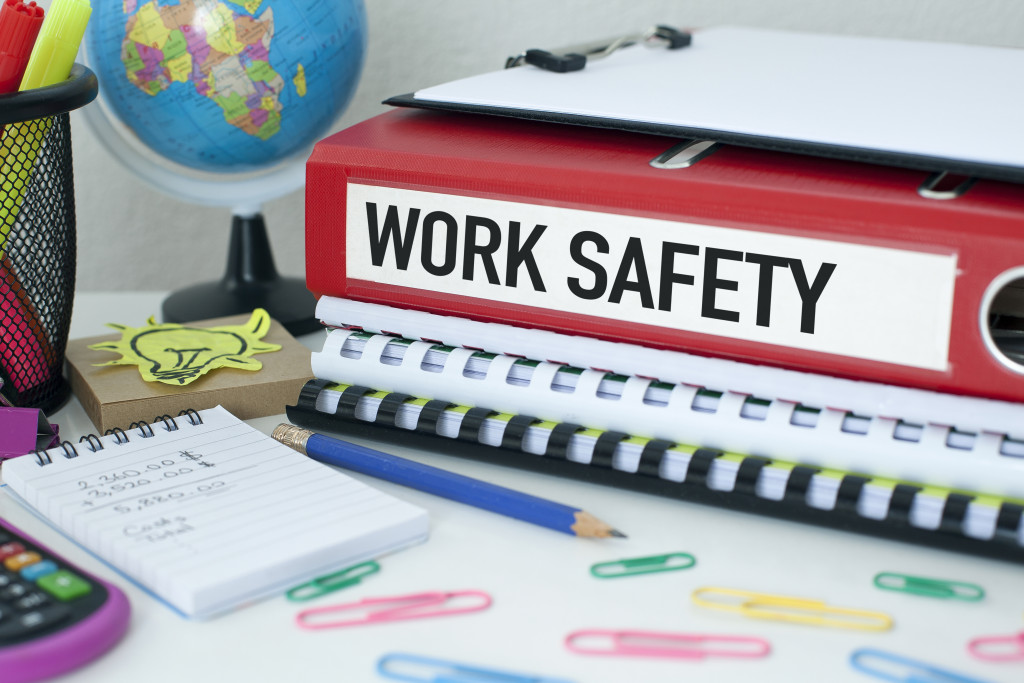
(557, 63)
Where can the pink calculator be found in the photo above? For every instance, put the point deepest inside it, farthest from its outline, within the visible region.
(54, 617)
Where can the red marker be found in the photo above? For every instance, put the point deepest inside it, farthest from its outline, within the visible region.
(19, 26)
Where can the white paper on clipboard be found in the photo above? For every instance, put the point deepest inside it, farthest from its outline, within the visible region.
(926, 105)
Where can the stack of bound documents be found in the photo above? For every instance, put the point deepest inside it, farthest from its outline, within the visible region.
(744, 318)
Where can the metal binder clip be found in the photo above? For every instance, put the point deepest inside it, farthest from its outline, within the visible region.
(890, 667)
(332, 582)
(575, 58)
(931, 588)
(405, 667)
(998, 648)
(398, 608)
(799, 610)
(668, 645)
(643, 565)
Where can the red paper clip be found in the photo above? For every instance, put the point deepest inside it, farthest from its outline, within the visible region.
(654, 644)
(998, 648)
(398, 608)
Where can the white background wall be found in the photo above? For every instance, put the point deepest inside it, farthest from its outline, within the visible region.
(132, 237)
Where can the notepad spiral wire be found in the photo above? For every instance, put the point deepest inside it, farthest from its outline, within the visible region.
(119, 436)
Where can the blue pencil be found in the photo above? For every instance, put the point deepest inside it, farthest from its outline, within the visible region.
(443, 483)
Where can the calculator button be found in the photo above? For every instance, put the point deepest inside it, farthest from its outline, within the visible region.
(16, 562)
(33, 600)
(18, 625)
(6, 578)
(39, 569)
(12, 548)
(8, 625)
(14, 591)
(65, 585)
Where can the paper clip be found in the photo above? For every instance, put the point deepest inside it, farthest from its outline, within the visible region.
(643, 565)
(404, 667)
(668, 645)
(799, 610)
(415, 606)
(890, 667)
(931, 588)
(332, 582)
(998, 648)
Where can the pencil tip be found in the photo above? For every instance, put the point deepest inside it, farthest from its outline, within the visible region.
(590, 526)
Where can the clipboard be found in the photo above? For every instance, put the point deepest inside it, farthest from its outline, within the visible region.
(937, 107)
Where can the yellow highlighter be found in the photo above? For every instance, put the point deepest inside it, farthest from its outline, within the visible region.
(50, 63)
(57, 45)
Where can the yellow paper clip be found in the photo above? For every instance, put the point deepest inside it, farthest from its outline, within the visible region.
(799, 610)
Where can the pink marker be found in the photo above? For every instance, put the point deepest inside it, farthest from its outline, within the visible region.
(26, 355)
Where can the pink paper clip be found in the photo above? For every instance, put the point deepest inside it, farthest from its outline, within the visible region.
(998, 648)
(398, 608)
(671, 645)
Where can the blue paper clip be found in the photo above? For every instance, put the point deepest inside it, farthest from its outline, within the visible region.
(405, 667)
(890, 667)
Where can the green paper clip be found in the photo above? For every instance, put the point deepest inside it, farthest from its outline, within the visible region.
(332, 582)
(643, 565)
(930, 588)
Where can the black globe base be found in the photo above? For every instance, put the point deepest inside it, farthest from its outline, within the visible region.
(250, 281)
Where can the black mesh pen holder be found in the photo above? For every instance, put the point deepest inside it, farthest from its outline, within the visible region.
(37, 238)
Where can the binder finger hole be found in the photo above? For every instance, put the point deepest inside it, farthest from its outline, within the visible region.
(1002, 319)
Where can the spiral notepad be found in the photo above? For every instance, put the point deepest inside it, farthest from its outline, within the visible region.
(208, 513)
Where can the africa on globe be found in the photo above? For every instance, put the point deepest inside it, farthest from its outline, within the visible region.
(224, 87)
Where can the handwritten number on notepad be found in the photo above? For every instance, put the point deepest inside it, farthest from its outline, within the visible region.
(108, 483)
(151, 501)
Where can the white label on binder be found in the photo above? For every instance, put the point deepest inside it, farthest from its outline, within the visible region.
(856, 300)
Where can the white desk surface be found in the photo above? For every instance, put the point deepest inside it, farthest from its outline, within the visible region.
(542, 588)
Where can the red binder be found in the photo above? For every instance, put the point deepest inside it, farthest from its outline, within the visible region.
(813, 264)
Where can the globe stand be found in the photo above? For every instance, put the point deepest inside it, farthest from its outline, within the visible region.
(250, 281)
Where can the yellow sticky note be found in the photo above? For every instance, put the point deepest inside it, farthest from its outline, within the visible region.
(179, 355)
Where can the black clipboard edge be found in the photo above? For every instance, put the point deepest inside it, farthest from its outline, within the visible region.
(791, 508)
(1012, 174)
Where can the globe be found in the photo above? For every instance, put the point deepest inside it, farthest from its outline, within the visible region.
(219, 102)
